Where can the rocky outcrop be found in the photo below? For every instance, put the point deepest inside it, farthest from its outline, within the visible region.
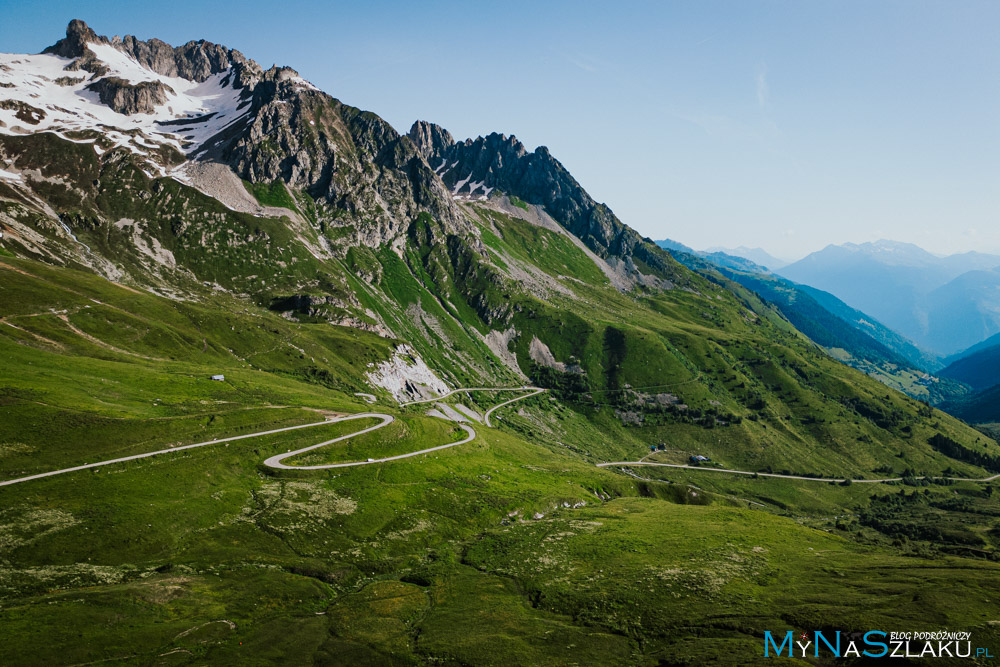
(406, 376)
(542, 355)
(195, 61)
(127, 98)
(430, 139)
(23, 111)
(74, 44)
(499, 343)
(88, 62)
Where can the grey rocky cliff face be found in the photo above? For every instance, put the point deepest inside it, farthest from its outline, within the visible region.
(503, 163)
(430, 139)
(351, 158)
(195, 61)
(129, 99)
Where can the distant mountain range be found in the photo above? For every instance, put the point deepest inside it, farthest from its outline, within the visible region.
(852, 336)
(892, 310)
(945, 304)
(755, 255)
(758, 256)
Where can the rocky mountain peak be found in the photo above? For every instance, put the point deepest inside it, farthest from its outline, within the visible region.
(265, 125)
(509, 147)
(74, 44)
(430, 138)
(279, 73)
(194, 61)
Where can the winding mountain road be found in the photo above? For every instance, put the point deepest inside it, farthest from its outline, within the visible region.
(276, 461)
(486, 417)
(626, 464)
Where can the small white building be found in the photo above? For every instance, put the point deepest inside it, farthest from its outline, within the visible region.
(219, 378)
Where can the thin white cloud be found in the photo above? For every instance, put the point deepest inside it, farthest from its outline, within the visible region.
(714, 125)
(586, 63)
(762, 90)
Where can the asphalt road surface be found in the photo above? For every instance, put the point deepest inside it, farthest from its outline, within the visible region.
(276, 461)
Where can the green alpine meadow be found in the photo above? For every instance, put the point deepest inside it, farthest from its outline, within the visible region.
(280, 384)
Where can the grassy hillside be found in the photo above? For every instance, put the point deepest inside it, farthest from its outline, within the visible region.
(845, 333)
(755, 392)
(512, 548)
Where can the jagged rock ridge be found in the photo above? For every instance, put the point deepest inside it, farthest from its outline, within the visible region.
(474, 168)
(274, 126)
(210, 103)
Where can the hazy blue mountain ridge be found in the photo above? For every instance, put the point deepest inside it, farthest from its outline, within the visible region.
(944, 304)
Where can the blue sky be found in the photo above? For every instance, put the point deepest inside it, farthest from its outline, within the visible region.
(782, 124)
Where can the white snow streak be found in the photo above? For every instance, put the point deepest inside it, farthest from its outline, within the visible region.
(73, 108)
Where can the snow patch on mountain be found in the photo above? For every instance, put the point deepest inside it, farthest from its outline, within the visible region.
(461, 184)
(39, 94)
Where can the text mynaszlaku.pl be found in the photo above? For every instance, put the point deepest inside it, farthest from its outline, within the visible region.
(873, 644)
